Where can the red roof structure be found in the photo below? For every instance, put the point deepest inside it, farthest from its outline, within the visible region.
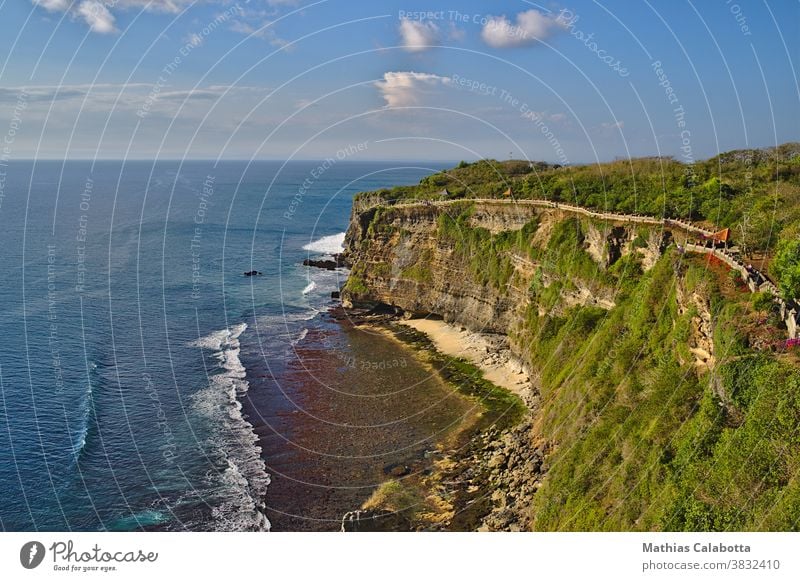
(721, 236)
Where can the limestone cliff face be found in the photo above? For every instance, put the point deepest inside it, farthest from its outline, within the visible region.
(399, 259)
(403, 259)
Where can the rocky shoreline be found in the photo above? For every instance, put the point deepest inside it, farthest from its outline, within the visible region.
(483, 478)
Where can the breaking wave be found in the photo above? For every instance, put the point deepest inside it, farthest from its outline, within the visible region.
(240, 480)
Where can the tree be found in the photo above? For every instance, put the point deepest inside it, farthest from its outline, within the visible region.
(787, 268)
(756, 232)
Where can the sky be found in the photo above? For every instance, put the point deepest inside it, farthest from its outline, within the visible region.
(573, 82)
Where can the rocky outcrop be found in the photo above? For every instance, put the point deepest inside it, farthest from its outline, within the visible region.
(514, 466)
(337, 261)
(701, 334)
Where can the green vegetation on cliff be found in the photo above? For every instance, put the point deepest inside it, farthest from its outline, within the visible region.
(670, 404)
(490, 256)
(756, 191)
(642, 438)
(645, 442)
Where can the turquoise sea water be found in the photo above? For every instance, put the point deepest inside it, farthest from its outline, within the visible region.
(131, 342)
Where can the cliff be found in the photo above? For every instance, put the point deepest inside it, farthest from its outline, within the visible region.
(481, 264)
(658, 374)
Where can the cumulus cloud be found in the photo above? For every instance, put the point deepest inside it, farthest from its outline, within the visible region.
(530, 26)
(97, 16)
(418, 36)
(403, 89)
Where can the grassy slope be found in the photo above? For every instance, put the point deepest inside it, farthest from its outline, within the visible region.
(642, 442)
(641, 439)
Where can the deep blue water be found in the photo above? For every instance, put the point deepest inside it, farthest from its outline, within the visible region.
(124, 310)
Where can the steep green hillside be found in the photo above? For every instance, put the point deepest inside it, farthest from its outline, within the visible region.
(667, 399)
(643, 437)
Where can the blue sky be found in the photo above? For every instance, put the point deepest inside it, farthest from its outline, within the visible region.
(573, 82)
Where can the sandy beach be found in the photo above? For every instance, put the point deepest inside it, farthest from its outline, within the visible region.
(489, 352)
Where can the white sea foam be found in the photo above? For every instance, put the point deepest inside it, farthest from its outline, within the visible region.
(300, 337)
(86, 405)
(243, 481)
(217, 340)
(309, 287)
(332, 244)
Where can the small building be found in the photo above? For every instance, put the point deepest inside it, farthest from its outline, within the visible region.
(720, 238)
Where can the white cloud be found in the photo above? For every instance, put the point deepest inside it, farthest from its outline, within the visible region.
(194, 40)
(172, 6)
(418, 36)
(257, 23)
(107, 95)
(52, 5)
(455, 33)
(98, 13)
(97, 16)
(612, 126)
(48, 93)
(403, 89)
(529, 27)
(262, 30)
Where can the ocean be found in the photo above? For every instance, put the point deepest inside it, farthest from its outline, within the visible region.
(147, 384)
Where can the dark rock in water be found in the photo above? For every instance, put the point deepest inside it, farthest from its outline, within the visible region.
(335, 294)
(327, 263)
(320, 263)
(252, 273)
(374, 521)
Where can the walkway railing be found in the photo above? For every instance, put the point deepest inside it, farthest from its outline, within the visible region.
(755, 280)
